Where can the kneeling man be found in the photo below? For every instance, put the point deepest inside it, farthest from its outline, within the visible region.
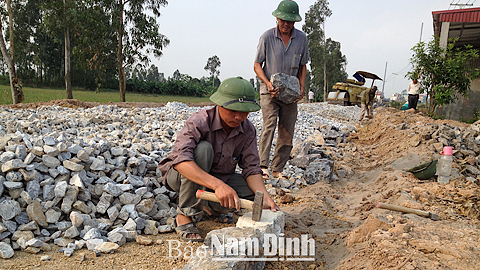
(206, 152)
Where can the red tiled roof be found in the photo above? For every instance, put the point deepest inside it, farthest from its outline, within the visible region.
(458, 15)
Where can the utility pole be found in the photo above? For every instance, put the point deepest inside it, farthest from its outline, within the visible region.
(393, 85)
(384, 78)
(421, 31)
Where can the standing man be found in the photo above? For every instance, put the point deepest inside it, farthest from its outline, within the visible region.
(207, 150)
(368, 97)
(310, 96)
(282, 49)
(413, 94)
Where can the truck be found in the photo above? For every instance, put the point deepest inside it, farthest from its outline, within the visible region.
(348, 93)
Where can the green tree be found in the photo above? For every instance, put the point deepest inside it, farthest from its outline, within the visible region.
(153, 75)
(94, 41)
(444, 73)
(137, 33)
(26, 25)
(139, 73)
(308, 83)
(68, 51)
(327, 64)
(9, 56)
(314, 20)
(59, 18)
(336, 63)
(213, 63)
(257, 83)
(39, 48)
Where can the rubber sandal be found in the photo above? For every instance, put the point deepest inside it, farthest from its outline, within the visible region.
(265, 174)
(186, 229)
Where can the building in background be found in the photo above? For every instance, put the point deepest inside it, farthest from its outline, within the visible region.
(397, 97)
(463, 24)
(405, 94)
(422, 98)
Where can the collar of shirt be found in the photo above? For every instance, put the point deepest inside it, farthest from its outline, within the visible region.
(278, 35)
(217, 124)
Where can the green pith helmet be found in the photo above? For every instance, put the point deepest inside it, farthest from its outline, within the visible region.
(236, 94)
(288, 11)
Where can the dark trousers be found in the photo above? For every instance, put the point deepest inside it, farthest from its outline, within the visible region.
(412, 101)
(188, 204)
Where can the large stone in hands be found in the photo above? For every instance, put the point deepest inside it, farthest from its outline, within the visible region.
(289, 87)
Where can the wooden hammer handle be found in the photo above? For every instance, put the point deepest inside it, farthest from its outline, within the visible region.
(209, 196)
(403, 209)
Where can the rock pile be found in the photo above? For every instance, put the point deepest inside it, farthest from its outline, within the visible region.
(83, 174)
(464, 141)
(311, 159)
(88, 177)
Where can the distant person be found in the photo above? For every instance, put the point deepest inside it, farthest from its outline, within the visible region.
(310, 96)
(413, 94)
(282, 49)
(367, 100)
(206, 153)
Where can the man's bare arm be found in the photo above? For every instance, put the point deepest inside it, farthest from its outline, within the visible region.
(255, 182)
(302, 74)
(225, 194)
(257, 67)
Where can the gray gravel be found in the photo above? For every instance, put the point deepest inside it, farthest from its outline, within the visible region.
(86, 177)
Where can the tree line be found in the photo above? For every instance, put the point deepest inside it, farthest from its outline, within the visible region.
(87, 43)
(96, 44)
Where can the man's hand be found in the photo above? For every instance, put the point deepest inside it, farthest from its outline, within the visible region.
(227, 196)
(302, 93)
(255, 182)
(268, 203)
(273, 91)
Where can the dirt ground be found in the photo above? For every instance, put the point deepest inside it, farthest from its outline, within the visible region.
(350, 232)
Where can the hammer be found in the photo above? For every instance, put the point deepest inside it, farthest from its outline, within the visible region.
(430, 215)
(256, 205)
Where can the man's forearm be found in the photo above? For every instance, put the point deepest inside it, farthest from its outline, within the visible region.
(302, 75)
(257, 67)
(255, 182)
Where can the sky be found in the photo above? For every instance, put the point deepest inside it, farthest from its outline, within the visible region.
(375, 35)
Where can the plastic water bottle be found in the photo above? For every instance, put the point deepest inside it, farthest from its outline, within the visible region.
(444, 165)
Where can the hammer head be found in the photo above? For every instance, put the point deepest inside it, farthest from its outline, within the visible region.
(433, 216)
(257, 206)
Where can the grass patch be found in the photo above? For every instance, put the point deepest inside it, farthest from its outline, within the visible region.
(396, 104)
(103, 96)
